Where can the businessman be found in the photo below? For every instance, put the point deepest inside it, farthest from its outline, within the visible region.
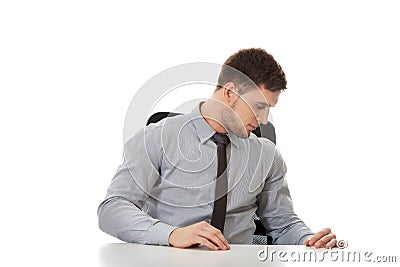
(199, 178)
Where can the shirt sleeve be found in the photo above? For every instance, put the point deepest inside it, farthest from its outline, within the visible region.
(275, 208)
(120, 214)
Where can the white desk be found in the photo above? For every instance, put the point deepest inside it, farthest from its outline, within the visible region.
(122, 254)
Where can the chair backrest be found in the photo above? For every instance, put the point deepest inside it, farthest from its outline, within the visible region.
(264, 130)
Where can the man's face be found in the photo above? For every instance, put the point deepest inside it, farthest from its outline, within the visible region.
(248, 111)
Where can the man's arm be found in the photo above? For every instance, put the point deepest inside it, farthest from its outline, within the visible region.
(120, 214)
(275, 208)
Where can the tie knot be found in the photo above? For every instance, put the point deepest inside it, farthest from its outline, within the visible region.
(221, 139)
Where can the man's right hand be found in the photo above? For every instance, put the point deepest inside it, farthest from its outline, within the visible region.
(200, 233)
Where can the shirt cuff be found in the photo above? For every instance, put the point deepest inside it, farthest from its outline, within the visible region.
(159, 234)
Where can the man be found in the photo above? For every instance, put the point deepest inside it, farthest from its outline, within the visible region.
(167, 191)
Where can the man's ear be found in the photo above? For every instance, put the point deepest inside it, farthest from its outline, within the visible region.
(230, 93)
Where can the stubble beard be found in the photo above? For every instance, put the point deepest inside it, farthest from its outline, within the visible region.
(232, 122)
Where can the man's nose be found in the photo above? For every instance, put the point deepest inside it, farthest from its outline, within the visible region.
(262, 117)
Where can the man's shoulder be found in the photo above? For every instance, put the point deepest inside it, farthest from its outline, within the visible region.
(159, 134)
(261, 141)
(169, 122)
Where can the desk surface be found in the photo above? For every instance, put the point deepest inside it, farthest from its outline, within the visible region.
(123, 254)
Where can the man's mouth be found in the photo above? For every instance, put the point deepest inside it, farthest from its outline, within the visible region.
(252, 127)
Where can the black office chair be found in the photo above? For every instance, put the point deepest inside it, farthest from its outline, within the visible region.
(264, 130)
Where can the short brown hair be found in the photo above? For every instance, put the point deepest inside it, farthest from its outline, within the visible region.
(256, 64)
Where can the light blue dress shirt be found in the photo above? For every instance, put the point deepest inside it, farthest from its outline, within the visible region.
(167, 180)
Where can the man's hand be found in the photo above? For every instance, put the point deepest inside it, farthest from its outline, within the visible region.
(323, 239)
(199, 233)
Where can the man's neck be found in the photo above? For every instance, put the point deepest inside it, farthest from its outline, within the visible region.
(210, 114)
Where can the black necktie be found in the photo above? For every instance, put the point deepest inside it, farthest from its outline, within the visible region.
(221, 188)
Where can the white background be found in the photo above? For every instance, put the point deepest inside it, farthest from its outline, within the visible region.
(69, 69)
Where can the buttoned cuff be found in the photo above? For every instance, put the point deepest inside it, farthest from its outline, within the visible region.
(159, 234)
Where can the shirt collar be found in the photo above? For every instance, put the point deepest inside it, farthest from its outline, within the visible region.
(204, 130)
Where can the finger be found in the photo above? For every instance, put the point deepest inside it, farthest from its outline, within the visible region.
(318, 235)
(324, 240)
(213, 238)
(218, 233)
(307, 242)
(203, 241)
(209, 228)
(331, 243)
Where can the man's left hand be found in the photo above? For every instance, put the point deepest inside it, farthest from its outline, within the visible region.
(323, 239)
